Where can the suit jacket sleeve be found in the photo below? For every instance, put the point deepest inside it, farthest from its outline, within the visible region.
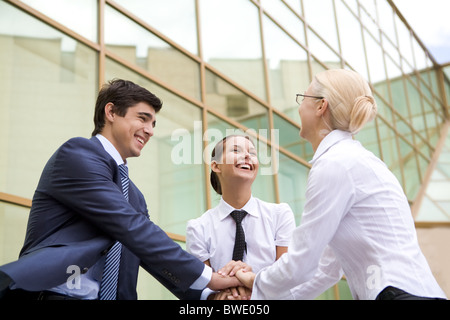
(83, 178)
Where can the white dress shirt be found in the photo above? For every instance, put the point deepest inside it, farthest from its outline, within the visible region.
(355, 209)
(266, 226)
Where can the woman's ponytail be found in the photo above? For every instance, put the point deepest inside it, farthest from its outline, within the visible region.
(364, 110)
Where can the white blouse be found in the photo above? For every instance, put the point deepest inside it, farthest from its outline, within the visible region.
(356, 208)
(266, 226)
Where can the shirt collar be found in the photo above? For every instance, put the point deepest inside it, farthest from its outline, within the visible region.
(250, 207)
(109, 147)
(330, 140)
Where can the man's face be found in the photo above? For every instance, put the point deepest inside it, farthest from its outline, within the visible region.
(129, 134)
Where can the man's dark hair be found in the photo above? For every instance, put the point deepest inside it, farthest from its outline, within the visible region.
(123, 94)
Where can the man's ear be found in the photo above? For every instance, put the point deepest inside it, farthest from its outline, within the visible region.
(109, 112)
(215, 166)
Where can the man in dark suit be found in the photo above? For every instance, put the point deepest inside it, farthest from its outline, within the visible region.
(81, 210)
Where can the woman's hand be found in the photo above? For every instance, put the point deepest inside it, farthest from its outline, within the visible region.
(232, 267)
(247, 278)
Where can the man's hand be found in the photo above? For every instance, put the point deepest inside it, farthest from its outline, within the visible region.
(219, 282)
(239, 293)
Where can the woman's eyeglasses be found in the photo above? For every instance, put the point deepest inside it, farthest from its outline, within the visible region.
(306, 96)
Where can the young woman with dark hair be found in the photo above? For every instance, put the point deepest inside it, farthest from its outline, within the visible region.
(267, 226)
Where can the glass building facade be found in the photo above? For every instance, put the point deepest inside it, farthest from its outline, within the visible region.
(219, 66)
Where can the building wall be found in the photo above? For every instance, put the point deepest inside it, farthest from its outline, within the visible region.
(219, 66)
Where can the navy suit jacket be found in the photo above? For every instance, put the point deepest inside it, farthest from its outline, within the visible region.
(79, 211)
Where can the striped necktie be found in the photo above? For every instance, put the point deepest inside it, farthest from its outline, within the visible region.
(108, 287)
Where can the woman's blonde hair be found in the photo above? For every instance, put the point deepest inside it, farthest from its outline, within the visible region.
(350, 99)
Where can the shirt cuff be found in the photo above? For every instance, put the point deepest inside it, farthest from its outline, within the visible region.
(206, 293)
(203, 280)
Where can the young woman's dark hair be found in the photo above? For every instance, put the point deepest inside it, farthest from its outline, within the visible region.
(123, 94)
(216, 155)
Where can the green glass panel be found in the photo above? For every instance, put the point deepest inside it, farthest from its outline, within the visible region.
(318, 11)
(369, 139)
(47, 96)
(69, 13)
(411, 170)
(142, 48)
(287, 68)
(234, 104)
(292, 181)
(13, 225)
(231, 40)
(351, 39)
(290, 140)
(176, 18)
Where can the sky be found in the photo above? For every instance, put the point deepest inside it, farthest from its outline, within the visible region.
(430, 21)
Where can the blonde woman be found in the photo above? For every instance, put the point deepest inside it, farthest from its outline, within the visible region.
(354, 206)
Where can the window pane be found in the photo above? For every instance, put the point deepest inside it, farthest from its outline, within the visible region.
(47, 95)
(176, 18)
(420, 56)
(447, 84)
(369, 138)
(386, 20)
(290, 139)
(368, 6)
(351, 39)
(397, 88)
(288, 69)
(70, 13)
(352, 4)
(292, 180)
(432, 122)
(377, 71)
(415, 103)
(370, 24)
(404, 38)
(233, 103)
(231, 40)
(321, 51)
(168, 168)
(13, 225)
(294, 4)
(142, 48)
(389, 148)
(411, 170)
(319, 14)
(384, 109)
(285, 18)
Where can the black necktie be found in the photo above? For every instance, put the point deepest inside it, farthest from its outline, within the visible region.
(239, 243)
(108, 287)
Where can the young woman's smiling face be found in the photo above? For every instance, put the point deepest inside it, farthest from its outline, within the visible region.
(239, 159)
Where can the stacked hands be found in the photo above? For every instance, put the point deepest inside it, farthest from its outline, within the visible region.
(233, 282)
